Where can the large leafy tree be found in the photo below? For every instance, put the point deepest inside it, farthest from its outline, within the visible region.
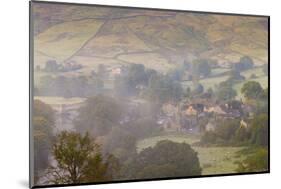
(99, 114)
(245, 63)
(120, 143)
(166, 159)
(252, 90)
(201, 67)
(136, 77)
(162, 89)
(259, 130)
(79, 160)
(225, 91)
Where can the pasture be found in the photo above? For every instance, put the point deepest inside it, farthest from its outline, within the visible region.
(213, 160)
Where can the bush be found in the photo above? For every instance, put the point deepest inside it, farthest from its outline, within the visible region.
(256, 162)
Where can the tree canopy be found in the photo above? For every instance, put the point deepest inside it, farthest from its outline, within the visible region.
(225, 91)
(162, 89)
(259, 127)
(166, 159)
(245, 63)
(79, 160)
(252, 90)
(99, 115)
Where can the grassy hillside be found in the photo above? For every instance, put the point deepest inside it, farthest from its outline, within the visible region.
(157, 39)
(63, 40)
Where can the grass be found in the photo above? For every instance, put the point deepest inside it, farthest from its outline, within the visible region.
(149, 60)
(63, 40)
(217, 71)
(207, 82)
(257, 71)
(59, 100)
(220, 160)
(213, 160)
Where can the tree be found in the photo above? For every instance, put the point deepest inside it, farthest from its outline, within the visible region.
(188, 92)
(264, 94)
(40, 109)
(43, 121)
(201, 67)
(162, 89)
(242, 135)
(99, 115)
(128, 83)
(225, 91)
(166, 159)
(259, 130)
(120, 143)
(143, 127)
(77, 86)
(252, 90)
(51, 66)
(245, 63)
(197, 89)
(79, 160)
(176, 74)
(226, 130)
(246, 60)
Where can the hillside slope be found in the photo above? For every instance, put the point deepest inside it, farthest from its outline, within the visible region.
(158, 39)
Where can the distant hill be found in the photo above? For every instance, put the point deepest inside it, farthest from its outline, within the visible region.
(157, 39)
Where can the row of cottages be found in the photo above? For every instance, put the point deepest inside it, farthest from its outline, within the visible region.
(186, 116)
(191, 113)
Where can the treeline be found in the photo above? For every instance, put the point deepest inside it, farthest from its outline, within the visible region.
(53, 67)
(67, 87)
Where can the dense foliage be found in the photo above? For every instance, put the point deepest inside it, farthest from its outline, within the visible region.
(99, 115)
(166, 159)
(79, 160)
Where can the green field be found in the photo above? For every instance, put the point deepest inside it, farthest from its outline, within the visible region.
(211, 82)
(217, 71)
(207, 82)
(59, 100)
(213, 160)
